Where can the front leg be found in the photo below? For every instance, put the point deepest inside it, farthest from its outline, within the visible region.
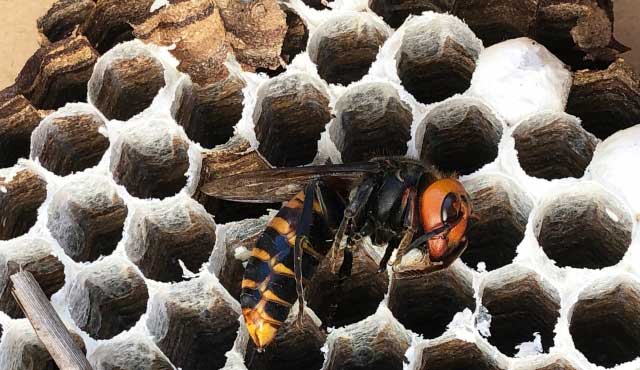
(408, 210)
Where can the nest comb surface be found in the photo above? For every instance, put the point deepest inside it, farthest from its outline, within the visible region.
(100, 198)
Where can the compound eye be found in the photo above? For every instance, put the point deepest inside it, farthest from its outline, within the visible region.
(450, 209)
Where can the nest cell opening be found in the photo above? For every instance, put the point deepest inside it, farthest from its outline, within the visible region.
(456, 354)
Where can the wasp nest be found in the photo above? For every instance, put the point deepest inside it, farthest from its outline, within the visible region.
(114, 126)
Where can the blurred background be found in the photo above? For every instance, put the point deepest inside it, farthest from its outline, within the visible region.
(19, 36)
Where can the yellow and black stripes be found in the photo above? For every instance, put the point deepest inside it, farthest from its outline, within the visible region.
(268, 285)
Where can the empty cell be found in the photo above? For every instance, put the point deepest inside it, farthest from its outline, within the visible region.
(134, 352)
(295, 40)
(376, 343)
(86, 217)
(553, 146)
(291, 112)
(293, 348)
(209, 112)
(426, 304)
(584, 228)
(22, 191)
(498, 20)
(345, 46)
(606, 101)
(57, 73)
(18, 119)
(456, 354)
(371, 122)
(194, 323)
(164, 233)
(437, 57)
(338, 301)
(63, 17)
(502, 209)
(605, 322)
(35, 256)
(520, 303)
(125, 81)
(395, 12)
(150, 159)
(69, 140)
(461, 134)
(107, 297)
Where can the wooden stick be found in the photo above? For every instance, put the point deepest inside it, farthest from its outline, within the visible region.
(47, 324)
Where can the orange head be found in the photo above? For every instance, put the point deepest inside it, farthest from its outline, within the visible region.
(445, 211)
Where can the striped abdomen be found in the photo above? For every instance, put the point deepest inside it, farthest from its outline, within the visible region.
(268, 285)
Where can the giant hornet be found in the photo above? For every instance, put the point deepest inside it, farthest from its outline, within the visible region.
(332, 208)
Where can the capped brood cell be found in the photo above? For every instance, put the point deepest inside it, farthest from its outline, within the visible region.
(209, 112)
(70, 140)
(461, 134)
(607, 101)
(18, 119)
(35, 256)
(376, 343)
(134, 352)
(291, 112)
(125, 81)
(553, 146)
(86, 217)
(502, 209)
(345, 46)
(194, 323)
(427, 303)
(395, 13)
(583, 227)
(372, 121)
(150, 159)
(605, 321)
(520, 303)
(450, 353)
(107, 297)
(22, 191)
(164, 233)
(437, 57)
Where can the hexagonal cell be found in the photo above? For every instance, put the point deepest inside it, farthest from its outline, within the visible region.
(338, 301)
(426, 304)
(546, 362)
(162, 234)
(297, 36)
(134, 352)
(111, 23)
(498, 20)
(233, 243)
(606, 101)
(520, 303)
(209, 113)
(293, 347)
(69, 140)
(63, 17)
(461, 135)
(57, 73)
(234, 157)
(291, 112)
(33, 255)
(371, 122)
(345, 46)
(18, 118)
(376, 343)
(22, 191)
(150, 159)
(125, 81)
(584, 227)
(450, 353)
(437, 57)
(610, 308)
(107, 297)
(395, 13)
(553, 146)
(86, 217)
(502, 209)
(194, 323)
(21, 349)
